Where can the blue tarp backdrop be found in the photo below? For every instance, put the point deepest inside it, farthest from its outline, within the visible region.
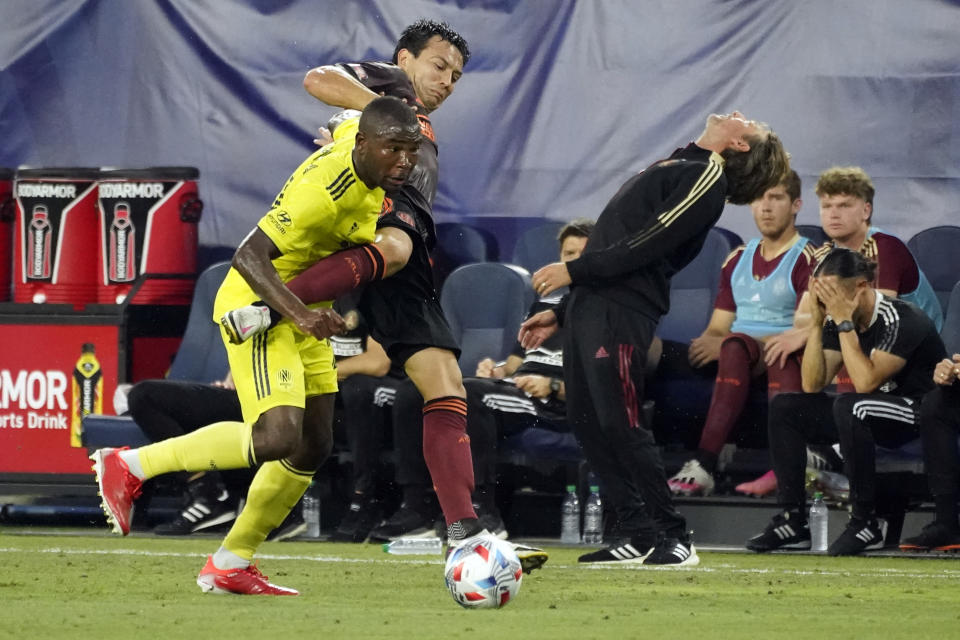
(561, 102)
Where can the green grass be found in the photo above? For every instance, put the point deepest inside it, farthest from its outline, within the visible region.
(90, 585)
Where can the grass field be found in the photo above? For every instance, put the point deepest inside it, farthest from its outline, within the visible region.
(89, 585)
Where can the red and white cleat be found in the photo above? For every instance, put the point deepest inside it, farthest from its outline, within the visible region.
(118, 488)
(692, 480)
(247, 581)
(246, 322)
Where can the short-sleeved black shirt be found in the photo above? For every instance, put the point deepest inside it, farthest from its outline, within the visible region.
(389, 79)
(901, 329)
(354, 341)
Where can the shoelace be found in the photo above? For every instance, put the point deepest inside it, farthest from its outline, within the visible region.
(133, 484)
(255, 571)
(251, 569)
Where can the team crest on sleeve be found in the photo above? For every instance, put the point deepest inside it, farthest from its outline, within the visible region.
(426, 128)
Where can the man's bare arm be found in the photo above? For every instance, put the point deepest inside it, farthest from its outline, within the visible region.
(336, 87)
(253, 260)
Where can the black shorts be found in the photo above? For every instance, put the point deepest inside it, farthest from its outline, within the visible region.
(403, 310)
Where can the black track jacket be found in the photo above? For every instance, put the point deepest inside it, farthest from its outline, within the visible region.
(654, 226)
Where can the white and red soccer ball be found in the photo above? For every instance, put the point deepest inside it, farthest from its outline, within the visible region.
(483, 572)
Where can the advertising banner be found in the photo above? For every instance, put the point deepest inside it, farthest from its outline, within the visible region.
(50, 375)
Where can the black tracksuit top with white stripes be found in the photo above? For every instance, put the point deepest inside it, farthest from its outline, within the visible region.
(904, 330)
(654, 226)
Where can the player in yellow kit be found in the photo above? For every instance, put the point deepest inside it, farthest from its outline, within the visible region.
(285, 378)
(321, 210)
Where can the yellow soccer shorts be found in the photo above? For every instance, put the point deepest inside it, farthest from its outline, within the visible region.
(280, 368)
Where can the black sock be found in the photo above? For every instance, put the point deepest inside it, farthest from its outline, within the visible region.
(463, 528)
(707, 460)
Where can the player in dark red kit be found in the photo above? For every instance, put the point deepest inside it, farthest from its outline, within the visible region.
(400, 301)
(620, 287)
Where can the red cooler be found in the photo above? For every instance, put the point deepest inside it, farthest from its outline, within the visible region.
(56, 236)
(148, 235)
(7, 215)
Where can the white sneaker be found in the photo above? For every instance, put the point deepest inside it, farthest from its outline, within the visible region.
(692, 480)
(244, 323)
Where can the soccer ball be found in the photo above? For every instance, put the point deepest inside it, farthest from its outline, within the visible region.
(483, 572)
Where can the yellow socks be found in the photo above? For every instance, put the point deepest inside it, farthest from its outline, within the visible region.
(221, 445)
(274, 492)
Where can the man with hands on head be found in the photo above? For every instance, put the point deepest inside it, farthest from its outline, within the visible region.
(890, 348)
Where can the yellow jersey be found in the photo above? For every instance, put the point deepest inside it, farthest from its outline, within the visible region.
(323, 207)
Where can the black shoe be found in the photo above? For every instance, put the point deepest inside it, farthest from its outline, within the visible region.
(200, 512)
(406, 522)
(673, 551)
(859, 536)
(785, 531)
(292, 526)
(634, 551)
(934, 537)
(491, 520)
(363, 515)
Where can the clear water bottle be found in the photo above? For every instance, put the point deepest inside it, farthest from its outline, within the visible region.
(311, 511)
(818, 523)
(570, 517)
(593, 517)
(414, 546)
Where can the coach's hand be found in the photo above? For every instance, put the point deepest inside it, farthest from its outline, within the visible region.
(538, 328)
(550, 278)
(320, 323)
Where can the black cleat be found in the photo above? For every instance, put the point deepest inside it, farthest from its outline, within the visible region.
(933, 537)
(674, 552)
(785, 531)
(531, 558)
(859, 536)
(362, 516)
(634, 550)
(292, 526)
(207, 504)
(407, 523)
